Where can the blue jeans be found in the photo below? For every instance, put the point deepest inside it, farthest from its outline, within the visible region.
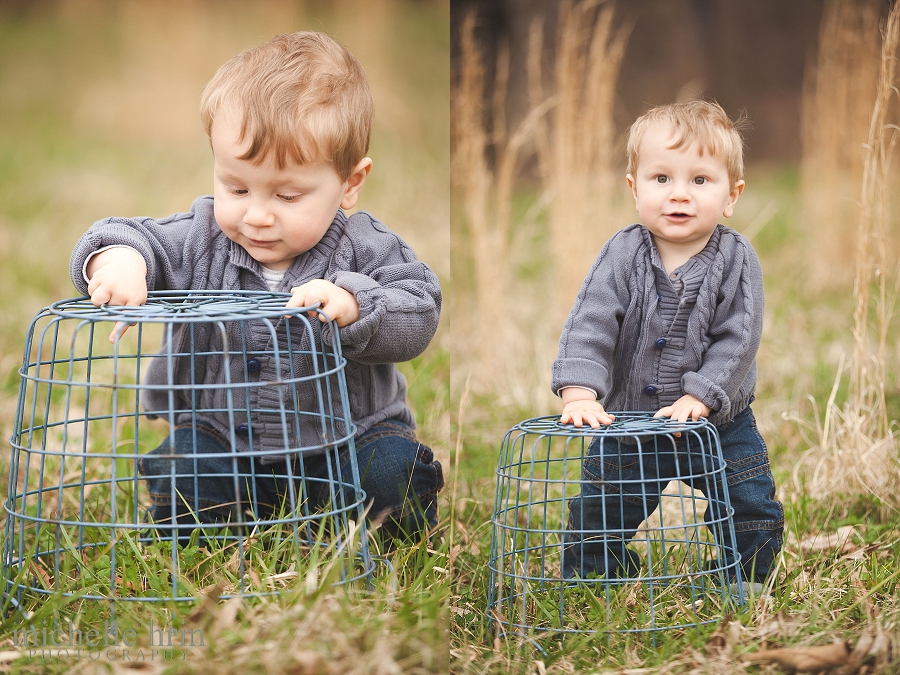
(211, 485)
(614, 507)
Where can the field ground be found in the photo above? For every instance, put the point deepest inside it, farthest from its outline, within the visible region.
(825, 591)
(98, 117)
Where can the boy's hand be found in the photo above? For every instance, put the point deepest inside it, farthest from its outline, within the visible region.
(580, 406)
(117, 276)
(340, 305)
(685, 407)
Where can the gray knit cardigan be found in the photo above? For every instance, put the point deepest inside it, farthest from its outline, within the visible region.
(642, 339)
(399, 308)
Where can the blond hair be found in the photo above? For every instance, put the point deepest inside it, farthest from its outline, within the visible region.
(703, 122)
(300, 96)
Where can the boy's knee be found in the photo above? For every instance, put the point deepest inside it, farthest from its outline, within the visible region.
(390, 456)
(415, 473)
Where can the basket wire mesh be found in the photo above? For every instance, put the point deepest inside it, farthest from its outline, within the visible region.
(678, 568)
(79, 518)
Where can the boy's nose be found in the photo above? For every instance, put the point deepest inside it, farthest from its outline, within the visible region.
(679, 192)
(258, 215)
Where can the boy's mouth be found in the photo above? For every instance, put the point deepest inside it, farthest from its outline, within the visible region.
(678, 216)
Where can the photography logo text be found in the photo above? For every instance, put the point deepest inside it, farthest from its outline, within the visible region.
(109, 642)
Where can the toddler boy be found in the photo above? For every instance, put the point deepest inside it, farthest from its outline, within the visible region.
(669, 320)
(289, 124)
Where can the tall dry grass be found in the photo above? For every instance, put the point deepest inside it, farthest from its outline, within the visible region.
(837, 104)
(505, 327)
(576, 143)
(485, 160)
(857, 448)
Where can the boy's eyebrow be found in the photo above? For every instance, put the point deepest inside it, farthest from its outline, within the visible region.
(284, 184)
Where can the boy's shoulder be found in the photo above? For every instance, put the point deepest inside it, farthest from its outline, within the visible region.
(201, 212)
(627, 244)
(734, 246)
(366, 240)
(732, 237)
(632, 237)
(364, 227)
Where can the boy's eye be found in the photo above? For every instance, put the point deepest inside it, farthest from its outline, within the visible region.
(289, 198)
(700, 180)
(662, 179)
(238, 191)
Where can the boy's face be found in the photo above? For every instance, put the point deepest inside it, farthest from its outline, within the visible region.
(275, 214)
(679, 193)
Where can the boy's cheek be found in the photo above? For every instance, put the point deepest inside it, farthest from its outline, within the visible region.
(224, 215)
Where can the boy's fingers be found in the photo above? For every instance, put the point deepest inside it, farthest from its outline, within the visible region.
(303, 299)
(580, 418)
(100, 297)
(119, 330)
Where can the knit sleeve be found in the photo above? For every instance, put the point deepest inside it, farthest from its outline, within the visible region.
(591, 332)
(399, 296)
(174, 248)
(733, 336)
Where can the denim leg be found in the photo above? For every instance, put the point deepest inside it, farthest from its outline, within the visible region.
(619, 490)
(399, 475)
(189, 485)
(758, 516)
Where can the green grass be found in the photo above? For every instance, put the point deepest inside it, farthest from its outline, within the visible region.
(98, 117)
(313, 622)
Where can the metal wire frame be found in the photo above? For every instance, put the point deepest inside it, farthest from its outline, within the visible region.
(689, 572)
(76, 504)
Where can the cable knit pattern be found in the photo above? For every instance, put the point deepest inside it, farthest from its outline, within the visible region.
(642, 339)
(399, 308)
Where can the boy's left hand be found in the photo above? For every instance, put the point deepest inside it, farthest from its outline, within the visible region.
(685, 407)
(340, 305)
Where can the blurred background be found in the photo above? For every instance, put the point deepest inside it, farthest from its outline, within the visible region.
(748, 56)
(543, 94)
(98, 117)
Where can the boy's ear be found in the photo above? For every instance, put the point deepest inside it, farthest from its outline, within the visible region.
(732, 198)
(355, 182)
(633, 187)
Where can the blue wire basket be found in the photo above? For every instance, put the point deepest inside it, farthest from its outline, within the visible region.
(100, 426)
(625, 529)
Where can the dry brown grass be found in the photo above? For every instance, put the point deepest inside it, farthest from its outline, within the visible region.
(486, 192)
(837, 104)
(856, 448)
(487, 236)
(506, 328)
(576, 144)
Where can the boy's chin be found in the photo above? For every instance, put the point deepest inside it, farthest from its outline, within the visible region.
(267, 258)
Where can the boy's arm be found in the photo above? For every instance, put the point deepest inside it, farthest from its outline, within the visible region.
(591, 332)
(398, 296)
(174, 250)
(735, 334)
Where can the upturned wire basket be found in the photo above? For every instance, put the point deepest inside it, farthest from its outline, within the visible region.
(78, 514)
(683, 566)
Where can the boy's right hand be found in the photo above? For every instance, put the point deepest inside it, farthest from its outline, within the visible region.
(580, 406)
(117, 276)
